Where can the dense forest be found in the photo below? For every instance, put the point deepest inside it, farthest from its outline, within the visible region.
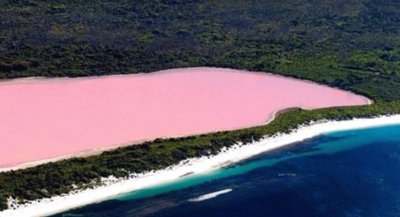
(350, 44)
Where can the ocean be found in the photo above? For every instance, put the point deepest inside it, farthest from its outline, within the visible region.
(343, 174)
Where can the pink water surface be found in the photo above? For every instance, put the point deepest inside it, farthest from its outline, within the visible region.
(47, 118)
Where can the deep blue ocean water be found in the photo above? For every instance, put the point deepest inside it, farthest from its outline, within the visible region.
(343, 174)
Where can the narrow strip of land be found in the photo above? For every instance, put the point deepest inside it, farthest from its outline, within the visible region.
(112, 186)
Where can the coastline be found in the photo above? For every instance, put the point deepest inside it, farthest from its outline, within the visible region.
(113, 187)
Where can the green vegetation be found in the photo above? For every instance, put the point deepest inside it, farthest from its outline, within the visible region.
(350, 44)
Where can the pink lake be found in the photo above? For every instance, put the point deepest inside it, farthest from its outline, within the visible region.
(48, 118)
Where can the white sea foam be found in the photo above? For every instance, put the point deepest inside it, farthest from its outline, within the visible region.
(209, 195)
(113, 187)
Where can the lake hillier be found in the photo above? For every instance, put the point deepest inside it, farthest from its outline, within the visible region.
(47, 119)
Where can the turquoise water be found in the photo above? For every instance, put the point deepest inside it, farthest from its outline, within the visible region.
(302, 173)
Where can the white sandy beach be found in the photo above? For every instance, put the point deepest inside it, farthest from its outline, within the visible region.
(113, 187)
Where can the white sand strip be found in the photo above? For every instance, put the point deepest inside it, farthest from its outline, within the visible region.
(113, 187)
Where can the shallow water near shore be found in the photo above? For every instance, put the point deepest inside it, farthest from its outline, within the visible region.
(350, 173)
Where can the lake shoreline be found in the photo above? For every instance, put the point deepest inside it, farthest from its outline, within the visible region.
(113, 187)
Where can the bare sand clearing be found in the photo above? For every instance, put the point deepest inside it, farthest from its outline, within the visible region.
(49, 118)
